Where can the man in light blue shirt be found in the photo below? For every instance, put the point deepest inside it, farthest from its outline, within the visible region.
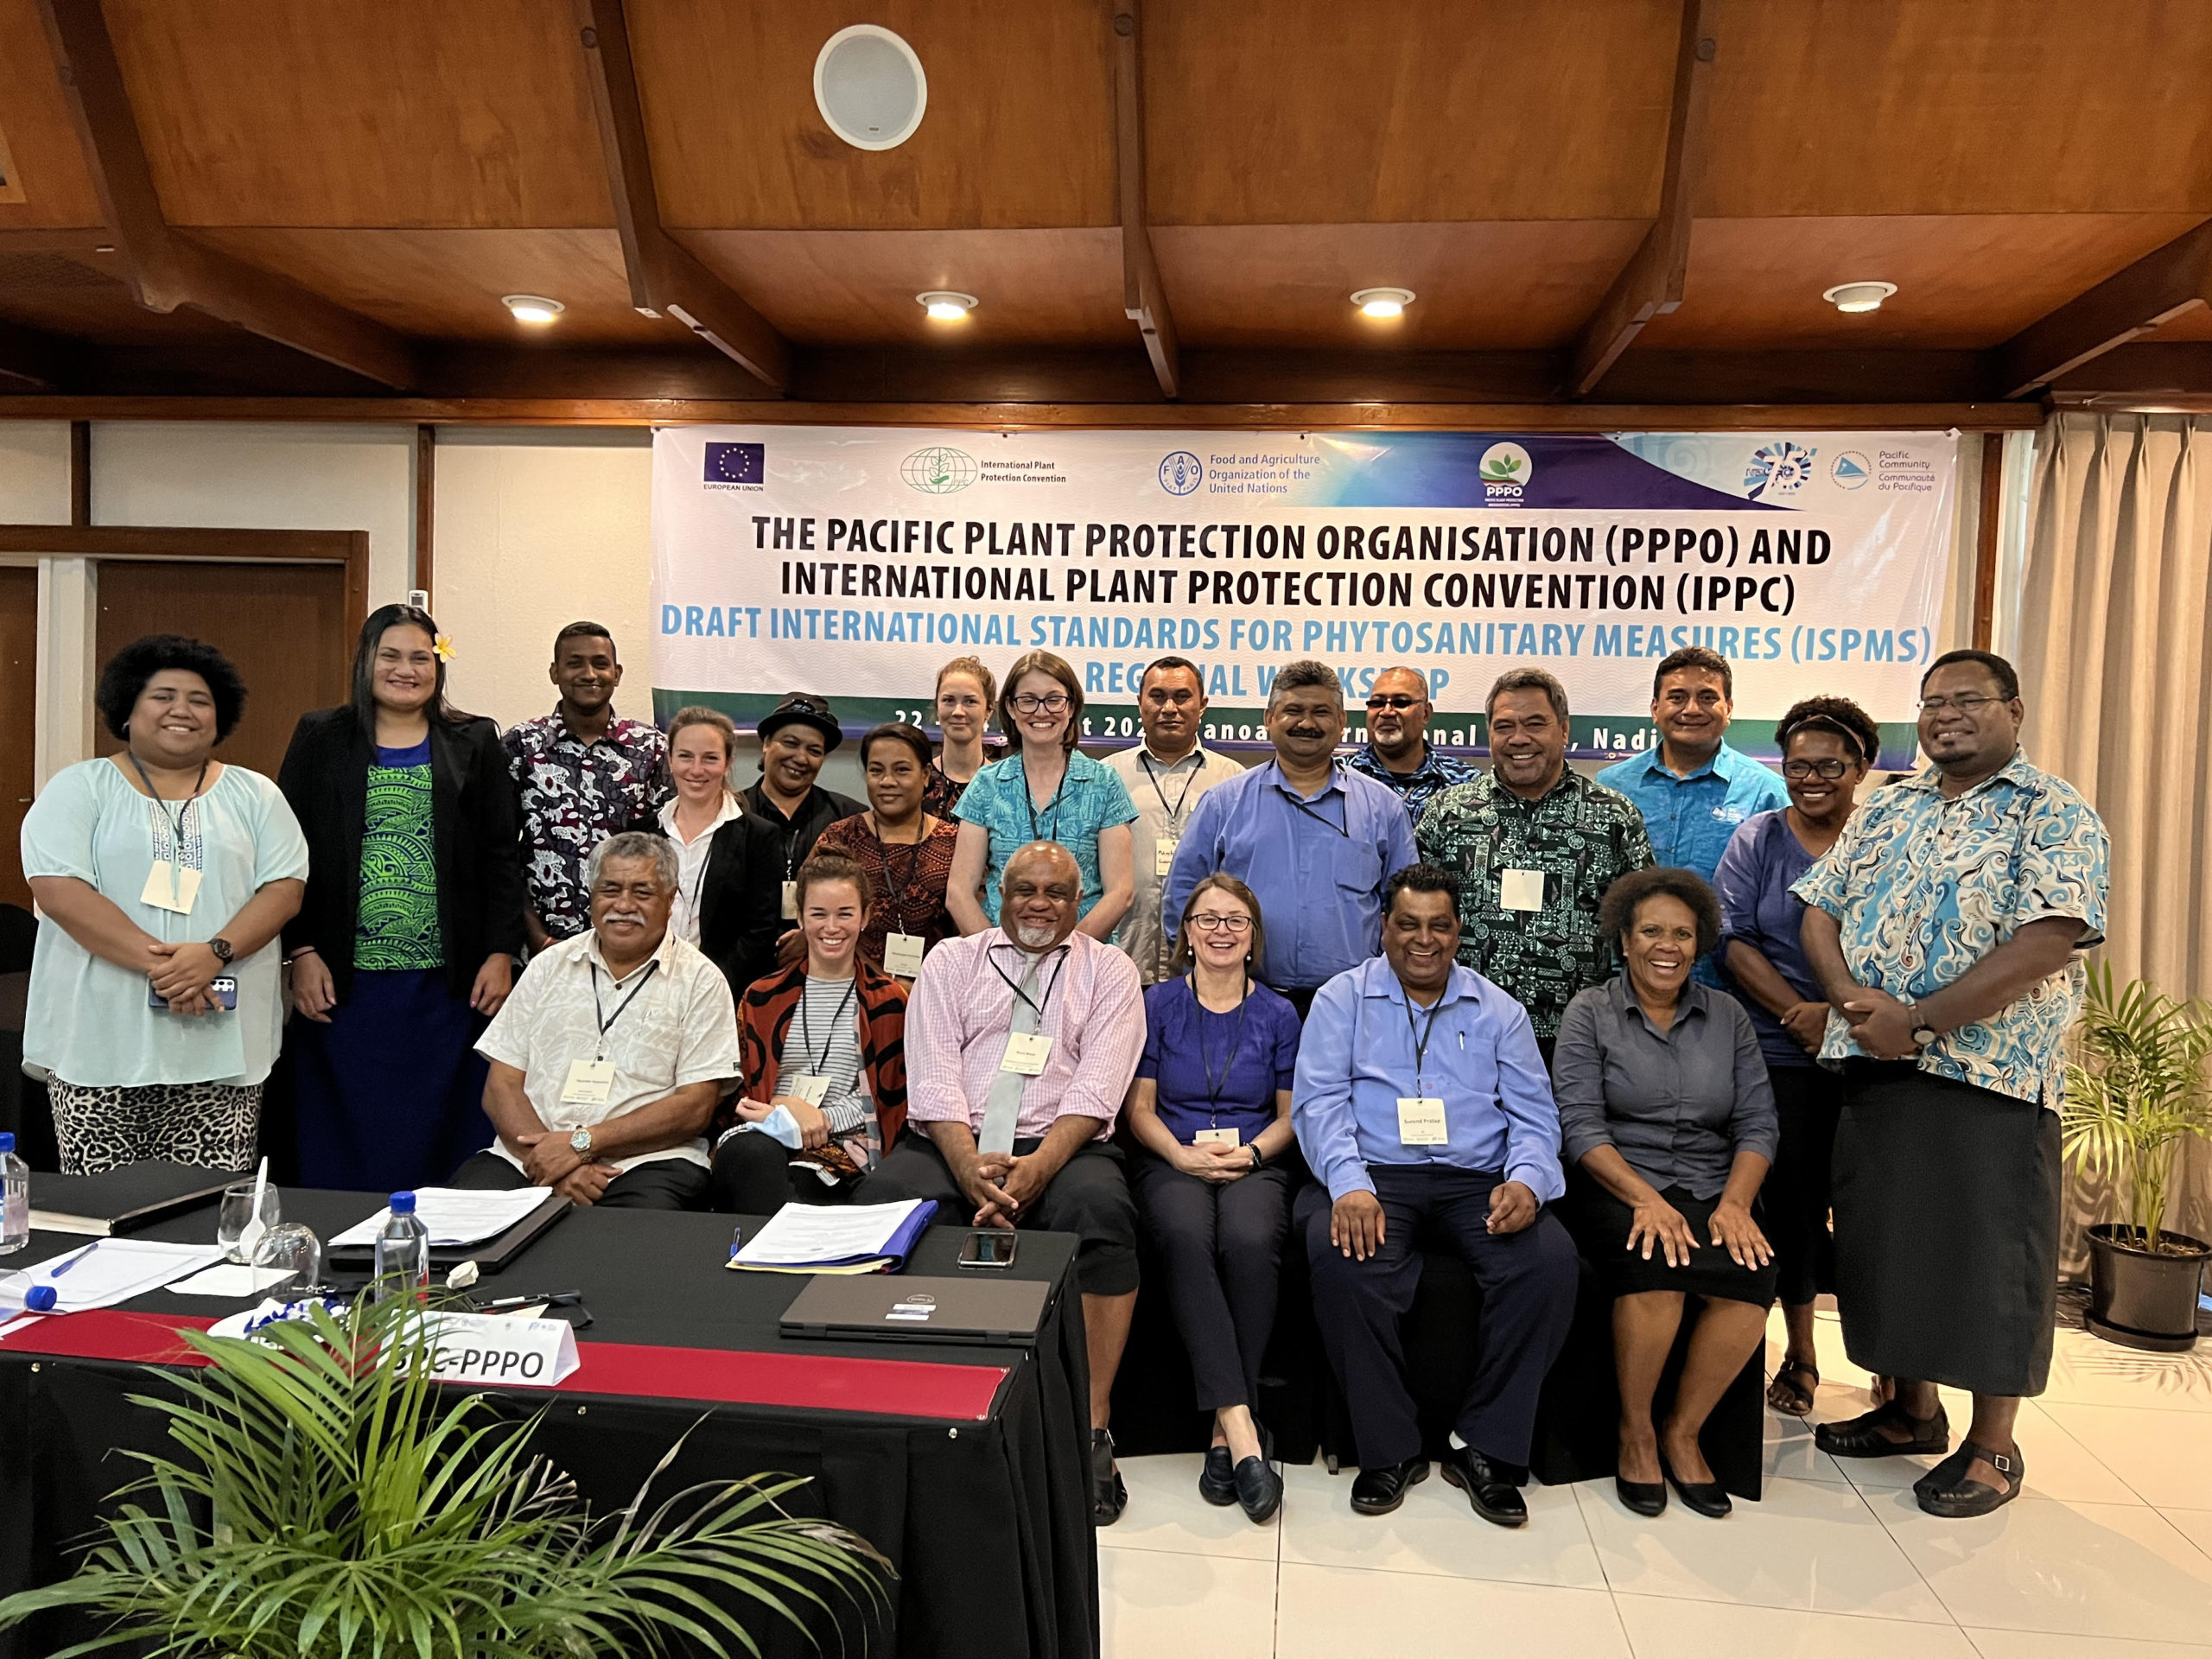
(1421, 1103)
(1314, 842)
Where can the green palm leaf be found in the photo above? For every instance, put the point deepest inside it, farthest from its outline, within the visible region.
(2135, 1090)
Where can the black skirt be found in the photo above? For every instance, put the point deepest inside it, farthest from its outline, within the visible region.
(1947, 1208)
(1600, 1227)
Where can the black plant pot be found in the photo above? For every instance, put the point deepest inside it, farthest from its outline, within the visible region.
(2142, 1298)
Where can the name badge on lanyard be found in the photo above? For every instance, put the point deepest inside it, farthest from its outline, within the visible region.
(1521, 889)
(171, 886)
(791, 901)
(1420, 1122)
(1026, 1052)
(902, 955)
(811, 1089)
(1214, 1138)
(1163, 855)
(591, 1083)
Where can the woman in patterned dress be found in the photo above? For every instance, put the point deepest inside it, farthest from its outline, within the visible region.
(405, 946)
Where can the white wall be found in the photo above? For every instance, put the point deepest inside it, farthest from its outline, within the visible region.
(34, 472)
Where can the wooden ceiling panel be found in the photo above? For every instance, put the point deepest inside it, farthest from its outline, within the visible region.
(401, 112)
(1961, 106)
(1519, 284)
(64, 295)
(1018, 132)
(447, 285)
(1406, 110)
(1962, 283)
(2190, 325)
(57, 190)
(857, 288)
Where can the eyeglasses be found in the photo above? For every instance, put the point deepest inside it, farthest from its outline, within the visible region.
(1396, 702)
(1029, 703)
(1217, 924)
(1964, 705)
(1797, 771)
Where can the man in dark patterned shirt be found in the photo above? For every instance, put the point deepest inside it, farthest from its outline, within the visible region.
(1396, 752)
(1534, 845)
(581, 774)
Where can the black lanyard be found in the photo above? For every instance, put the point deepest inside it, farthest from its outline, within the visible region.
(1175, 812)
(1039, 1004)
(1421, 1038)
(897, 894)
(1344, 829)
(598, 1010)
(1052, 807)
(177, 824)
(821, 1067)
(1235, 1045)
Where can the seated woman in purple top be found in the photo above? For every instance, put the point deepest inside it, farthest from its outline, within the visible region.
(1827, 743)
(1211, 1109)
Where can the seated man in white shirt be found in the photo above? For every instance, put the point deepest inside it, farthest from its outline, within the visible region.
(613, 1048)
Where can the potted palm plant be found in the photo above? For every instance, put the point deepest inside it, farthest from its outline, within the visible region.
(2135, 1093)
(327, 1498)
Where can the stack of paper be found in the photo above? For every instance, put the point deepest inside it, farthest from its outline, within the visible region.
(112, 1270)
(843, 1238)
(454, 1216)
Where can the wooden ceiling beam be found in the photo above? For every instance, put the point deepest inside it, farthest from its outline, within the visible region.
(1653, 282)
(665, 279)
(1143, 295)
(165, 271)
(32, 361)
(2160, 286)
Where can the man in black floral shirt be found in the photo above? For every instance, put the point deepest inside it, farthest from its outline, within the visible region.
(1534, 845)
(581, 774)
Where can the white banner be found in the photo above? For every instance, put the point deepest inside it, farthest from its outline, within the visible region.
(852, 560)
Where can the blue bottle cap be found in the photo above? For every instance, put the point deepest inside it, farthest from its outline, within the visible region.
(40, 1299)
(7, 1144)
(402, 1204)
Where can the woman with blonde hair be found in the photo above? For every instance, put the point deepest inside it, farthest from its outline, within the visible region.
(701, 742)
(965, 691)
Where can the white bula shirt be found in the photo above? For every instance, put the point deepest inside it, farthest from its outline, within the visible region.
(691, 864)
(681, 1027)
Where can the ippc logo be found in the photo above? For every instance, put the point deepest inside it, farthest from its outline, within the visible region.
(1505, 472)
(1781, 466)
(939, 471)
(1181, 473)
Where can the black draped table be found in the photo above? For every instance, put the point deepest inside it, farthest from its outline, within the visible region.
(967, 1465)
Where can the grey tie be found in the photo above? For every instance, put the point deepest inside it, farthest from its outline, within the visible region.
(1004, 1104)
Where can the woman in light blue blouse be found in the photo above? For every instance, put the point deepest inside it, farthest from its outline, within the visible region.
(1048, 791)
(162, 878)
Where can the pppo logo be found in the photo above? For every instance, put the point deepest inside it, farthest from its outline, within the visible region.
(1505, 472)
(1181, 473)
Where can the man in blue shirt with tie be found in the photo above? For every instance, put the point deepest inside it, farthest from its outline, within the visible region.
(1314, 842)
(1421, 1104)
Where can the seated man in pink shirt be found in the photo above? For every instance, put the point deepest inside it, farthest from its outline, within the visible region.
(1021, 1044)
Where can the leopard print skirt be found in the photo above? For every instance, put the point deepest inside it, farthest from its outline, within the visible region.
(206, 1125)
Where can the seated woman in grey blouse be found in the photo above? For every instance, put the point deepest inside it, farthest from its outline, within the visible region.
(1664, 1103)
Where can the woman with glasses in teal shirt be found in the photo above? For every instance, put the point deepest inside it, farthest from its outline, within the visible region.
(1046, 791)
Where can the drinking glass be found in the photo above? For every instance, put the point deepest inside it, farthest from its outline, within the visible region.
(237, 1209)
(290, 1248)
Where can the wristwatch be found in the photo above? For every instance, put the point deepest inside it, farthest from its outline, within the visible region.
(1256, 1159)
(1922, 1033)
(221, 947)
(579, 1143)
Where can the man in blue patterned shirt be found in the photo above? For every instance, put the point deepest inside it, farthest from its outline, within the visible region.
(1397, 752)
(1945, 925)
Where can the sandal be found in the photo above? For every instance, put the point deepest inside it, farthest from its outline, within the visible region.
(1792, 1398)
(1946, 1492)
(1862, 1437)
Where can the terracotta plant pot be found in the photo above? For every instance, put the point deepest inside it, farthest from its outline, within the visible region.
(2145, 1299)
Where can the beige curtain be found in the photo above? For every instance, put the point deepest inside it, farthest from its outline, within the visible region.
(2117, 674)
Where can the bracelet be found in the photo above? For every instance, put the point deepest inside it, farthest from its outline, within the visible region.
(304, 950)
(1257, 1161)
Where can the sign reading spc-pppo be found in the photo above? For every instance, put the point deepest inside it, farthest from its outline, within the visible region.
(503, 1352)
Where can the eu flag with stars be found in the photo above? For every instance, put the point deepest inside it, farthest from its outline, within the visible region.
(736, 463)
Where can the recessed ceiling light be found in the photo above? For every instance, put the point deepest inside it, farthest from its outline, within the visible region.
(945, 306)
(532, 308)
(1383, 302)
(1859, 297)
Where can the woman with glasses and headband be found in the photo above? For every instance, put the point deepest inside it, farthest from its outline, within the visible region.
(1211, 1111)
(1047, 791)
(1827, 744)
(965, 691)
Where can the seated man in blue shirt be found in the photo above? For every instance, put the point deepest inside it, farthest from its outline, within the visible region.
(1422, 1105)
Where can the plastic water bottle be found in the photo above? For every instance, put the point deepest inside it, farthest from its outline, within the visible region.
(20, 1292)
(402, 1252)
(14, 1198)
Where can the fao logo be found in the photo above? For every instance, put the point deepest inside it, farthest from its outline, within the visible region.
(1505, 472)
(1181, 473)
(939, 471)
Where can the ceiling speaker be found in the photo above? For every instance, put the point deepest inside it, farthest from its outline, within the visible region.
(870, 87)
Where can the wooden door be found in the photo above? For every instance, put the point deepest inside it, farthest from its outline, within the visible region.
(283, 626)
(19, 736)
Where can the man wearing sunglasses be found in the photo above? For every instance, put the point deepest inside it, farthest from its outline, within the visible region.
(1397, 753)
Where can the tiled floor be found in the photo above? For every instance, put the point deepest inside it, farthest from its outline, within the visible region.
(2107, 1555)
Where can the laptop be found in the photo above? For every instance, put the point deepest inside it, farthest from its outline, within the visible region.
(896, 1307)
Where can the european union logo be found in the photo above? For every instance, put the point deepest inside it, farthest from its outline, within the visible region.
(736, 463)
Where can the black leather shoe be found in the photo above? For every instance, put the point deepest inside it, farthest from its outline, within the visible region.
(1862, 1436)
(1708, 1497)
(1218, 1480)
(1378, 1491)
(1645, 1498)
(1109, 1497)
(1259, 1489)
(1496, 1499)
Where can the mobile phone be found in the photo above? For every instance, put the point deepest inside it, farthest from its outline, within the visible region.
(989, 1247)
(224, 989)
